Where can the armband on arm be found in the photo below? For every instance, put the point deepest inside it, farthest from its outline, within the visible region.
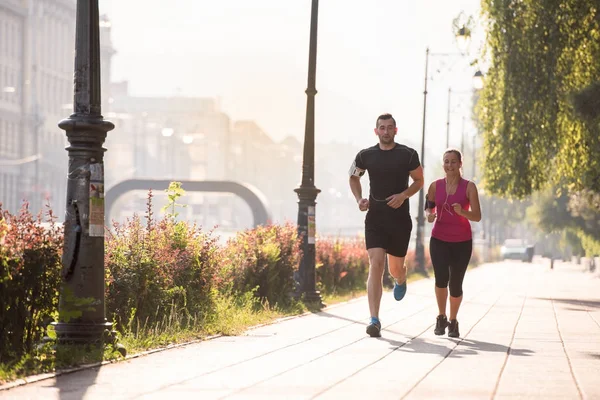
(355, 171)
(429, 204)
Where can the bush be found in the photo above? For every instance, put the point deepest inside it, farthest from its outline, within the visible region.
(411, 262)
(342, 265)
(476, 258)
(263, 259)
(30, 251)
(156, 267)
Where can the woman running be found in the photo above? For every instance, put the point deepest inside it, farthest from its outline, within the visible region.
(452, 202)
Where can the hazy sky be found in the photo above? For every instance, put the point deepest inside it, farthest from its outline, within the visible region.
(253, 55)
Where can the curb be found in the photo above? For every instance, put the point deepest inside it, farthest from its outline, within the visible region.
(49, 375)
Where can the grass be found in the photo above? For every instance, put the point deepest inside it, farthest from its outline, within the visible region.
(50, 358)
(235, 315)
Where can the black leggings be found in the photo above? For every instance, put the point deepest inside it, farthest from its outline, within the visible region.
(450, 261)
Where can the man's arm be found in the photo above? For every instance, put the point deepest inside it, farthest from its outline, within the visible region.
(396, 200)
(418, 181)
(356, 188)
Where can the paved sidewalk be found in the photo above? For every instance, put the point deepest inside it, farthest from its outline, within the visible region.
(526, 332)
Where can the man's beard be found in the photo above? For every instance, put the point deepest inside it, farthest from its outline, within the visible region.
(388, 140)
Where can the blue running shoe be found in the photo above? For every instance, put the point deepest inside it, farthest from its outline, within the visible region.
(374, 328)
(399, 290)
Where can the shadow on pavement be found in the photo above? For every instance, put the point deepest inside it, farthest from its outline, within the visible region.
(419, 345)
(593, 355)
(479, 346)
(329, 315)
(575, 302)
(74, 385)
(465, 347)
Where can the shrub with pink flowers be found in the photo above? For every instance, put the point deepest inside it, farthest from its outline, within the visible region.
(154, 267)
(30, 251)
(342, 264)
(411, 260)
(263, 260)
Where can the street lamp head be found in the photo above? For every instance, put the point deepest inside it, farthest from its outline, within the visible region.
(478, 80)
(463, 38)
(188, 139)
(9, 89)
(167, 132)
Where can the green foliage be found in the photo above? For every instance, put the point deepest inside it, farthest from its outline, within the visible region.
(72, 307)
(30, 252)
(587, 103)
(549, 211)
(264, 258)
(158, 265)
(50, 357)
(542, 52)
(584, 206)
(174, 192)
(576, 217)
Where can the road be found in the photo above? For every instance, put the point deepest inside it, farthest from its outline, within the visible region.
(527, 332)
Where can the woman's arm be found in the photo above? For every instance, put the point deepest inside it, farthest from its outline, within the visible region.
(474, 214)
(431, 214)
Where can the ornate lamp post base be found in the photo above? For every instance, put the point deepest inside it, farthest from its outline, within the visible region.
(307, 196)
(82, 333)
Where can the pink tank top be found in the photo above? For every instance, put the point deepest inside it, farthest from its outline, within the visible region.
(449, 226)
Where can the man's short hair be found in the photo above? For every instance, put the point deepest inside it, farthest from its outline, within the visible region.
(384, 117)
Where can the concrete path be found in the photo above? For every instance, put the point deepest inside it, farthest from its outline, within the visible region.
(526, 332)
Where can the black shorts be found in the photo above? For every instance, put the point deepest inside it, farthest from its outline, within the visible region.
(389, 229)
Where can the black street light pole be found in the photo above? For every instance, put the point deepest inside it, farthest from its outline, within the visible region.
(448, 119)
(307, 192)
(82, 316)
(420, 246)
(462, 137)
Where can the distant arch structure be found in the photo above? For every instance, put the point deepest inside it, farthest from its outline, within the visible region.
(255, 199)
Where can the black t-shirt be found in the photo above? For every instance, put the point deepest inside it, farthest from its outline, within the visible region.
(388, 170)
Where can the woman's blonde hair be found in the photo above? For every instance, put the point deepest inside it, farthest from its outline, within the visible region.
(455, 151)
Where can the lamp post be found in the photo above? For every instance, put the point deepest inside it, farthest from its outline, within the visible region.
(462, 137)
(82, 316)
(448, 118)
(420, 246)
(449, 111)
(307, 192)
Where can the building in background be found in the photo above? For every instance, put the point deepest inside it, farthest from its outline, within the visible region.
(37, 39)
(174, 138)
(13, 25)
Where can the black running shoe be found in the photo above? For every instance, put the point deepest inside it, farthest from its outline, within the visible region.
(374, 329)
(453, 329)
(440, 325)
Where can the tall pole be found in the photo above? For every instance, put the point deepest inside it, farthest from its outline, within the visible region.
(474, 156)
(448, 119)
(420, 246)
(82, 317)
(307, 192)
(462, 137)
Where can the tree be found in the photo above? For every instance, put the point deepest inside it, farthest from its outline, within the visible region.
(543, 53)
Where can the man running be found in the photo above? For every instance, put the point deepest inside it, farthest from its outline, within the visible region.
(388, 223)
